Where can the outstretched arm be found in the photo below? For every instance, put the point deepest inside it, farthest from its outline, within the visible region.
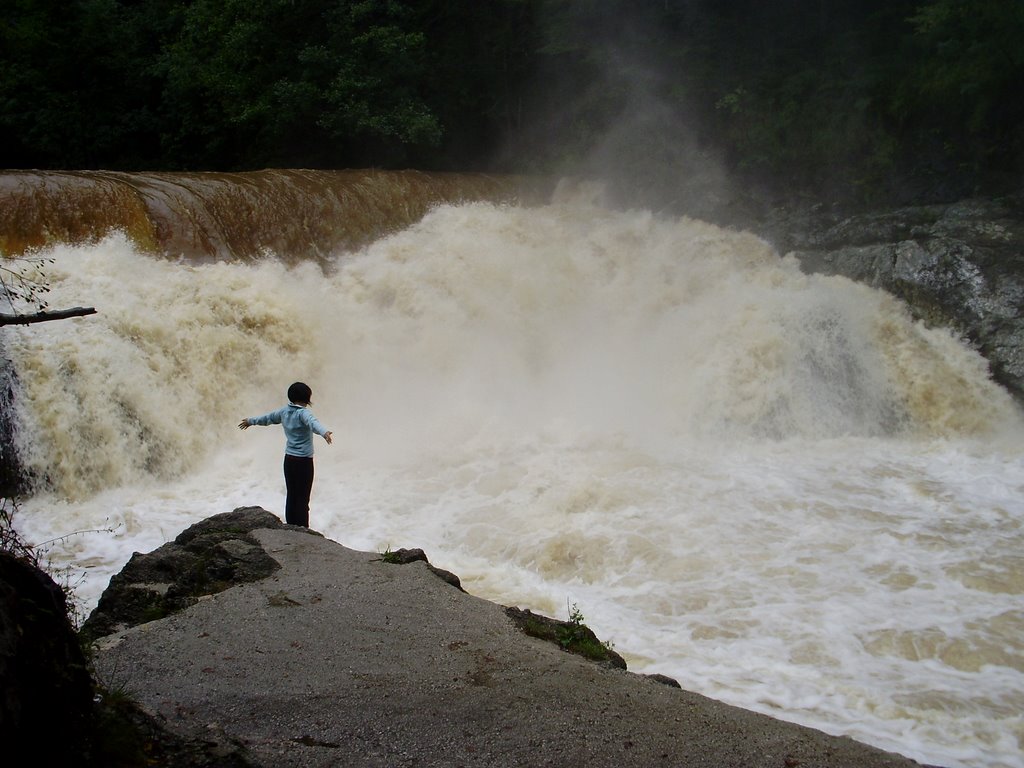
(311, 421)
(274, 417)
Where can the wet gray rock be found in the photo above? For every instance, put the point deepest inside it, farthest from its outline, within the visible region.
(416, 555)
(342, 658)
(208, 557)
(959, 266)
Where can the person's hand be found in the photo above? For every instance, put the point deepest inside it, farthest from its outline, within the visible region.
(244, 424)
(327, 437)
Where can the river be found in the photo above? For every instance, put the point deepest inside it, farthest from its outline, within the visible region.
(774, 487)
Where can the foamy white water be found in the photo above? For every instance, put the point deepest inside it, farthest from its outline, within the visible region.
(773, 487)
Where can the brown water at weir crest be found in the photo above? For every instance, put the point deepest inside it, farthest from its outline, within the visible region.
(294, 213)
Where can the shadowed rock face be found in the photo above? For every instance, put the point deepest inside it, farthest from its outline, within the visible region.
(12, 478)
(51, 711)
(209, 557)
(959, 265)
(45, 689)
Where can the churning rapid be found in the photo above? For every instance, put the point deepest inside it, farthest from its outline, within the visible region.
(774, 487)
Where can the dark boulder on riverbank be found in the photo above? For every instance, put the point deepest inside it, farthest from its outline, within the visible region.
(46, 693)
(208, 557)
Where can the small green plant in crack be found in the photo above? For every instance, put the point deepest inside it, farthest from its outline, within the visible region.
(390, 556)
(573, 631)
(575, 636)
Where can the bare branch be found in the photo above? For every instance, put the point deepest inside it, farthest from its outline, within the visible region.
(42, 317)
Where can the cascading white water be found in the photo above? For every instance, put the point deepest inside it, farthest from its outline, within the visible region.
(774, 487)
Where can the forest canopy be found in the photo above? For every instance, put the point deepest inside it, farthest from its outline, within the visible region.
(847, 99)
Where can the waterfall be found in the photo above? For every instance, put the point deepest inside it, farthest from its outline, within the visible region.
(232, 215)
(775, 487)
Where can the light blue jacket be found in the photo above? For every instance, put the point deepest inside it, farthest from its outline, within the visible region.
(299, 425)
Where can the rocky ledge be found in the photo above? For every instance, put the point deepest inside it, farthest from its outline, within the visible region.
(959, 265)
(246, 642)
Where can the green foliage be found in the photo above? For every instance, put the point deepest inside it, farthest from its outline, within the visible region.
(573, 630)
(573, 635)
(968, 74)
(576, 637)
(839, 97)
(282, 81)
(10, 540)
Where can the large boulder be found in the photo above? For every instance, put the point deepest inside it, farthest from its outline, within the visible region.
(208, 557)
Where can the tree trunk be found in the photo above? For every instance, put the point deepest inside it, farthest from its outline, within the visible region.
(42, 317)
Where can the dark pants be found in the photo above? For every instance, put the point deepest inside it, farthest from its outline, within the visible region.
(298, 480)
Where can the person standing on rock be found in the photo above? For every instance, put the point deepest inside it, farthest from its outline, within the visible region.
(299, 425)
